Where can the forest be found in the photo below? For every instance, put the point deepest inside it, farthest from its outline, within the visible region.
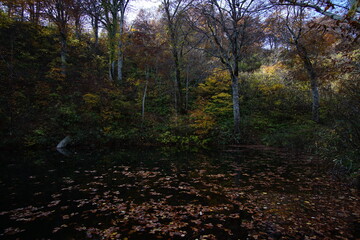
(282, 74)
(278, 73)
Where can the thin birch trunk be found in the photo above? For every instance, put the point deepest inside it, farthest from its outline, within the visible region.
(120, 53)
(144, 97)
(187, 88)
(236, 104)
(63, 52)
(111, 70)
(123, 6)
(175, 96)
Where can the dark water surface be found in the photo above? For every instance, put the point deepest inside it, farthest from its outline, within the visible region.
(240, 193)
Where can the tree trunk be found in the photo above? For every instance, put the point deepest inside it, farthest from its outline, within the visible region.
(120, 66)
(175, 97)
(10, 10)
(316, 99)
(313, 83)
(34, 12)
(236, 104)
(22, 13)
(111, 25)
(314, 89)
(112, 52)
(111, 70)
(178, 92)
(11, 78)
(123, 5)
(144, 97)
(174, 46)
(78, 29)
(120, 53)
(63, 52)
(96, 32)
(187, 89)
(37, 13)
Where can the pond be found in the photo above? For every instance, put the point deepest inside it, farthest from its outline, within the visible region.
(242, 192)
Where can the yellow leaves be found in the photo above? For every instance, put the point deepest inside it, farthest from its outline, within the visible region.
(55, 73)
(216, 83)
(269, 69)
(108, 115)
(134, 81)
(91, 99)
(132, 29)
(277, 102)
(270, 89)
(214, 103)
(74, 42)
(221, 95)
(107, 130)
(111, 92)
(203, 122)
(219, 104)
(30, 141)
(273, 69)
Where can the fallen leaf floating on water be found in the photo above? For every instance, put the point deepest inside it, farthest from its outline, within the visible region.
(13, 231)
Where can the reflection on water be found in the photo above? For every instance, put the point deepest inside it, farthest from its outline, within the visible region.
(164, 193)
